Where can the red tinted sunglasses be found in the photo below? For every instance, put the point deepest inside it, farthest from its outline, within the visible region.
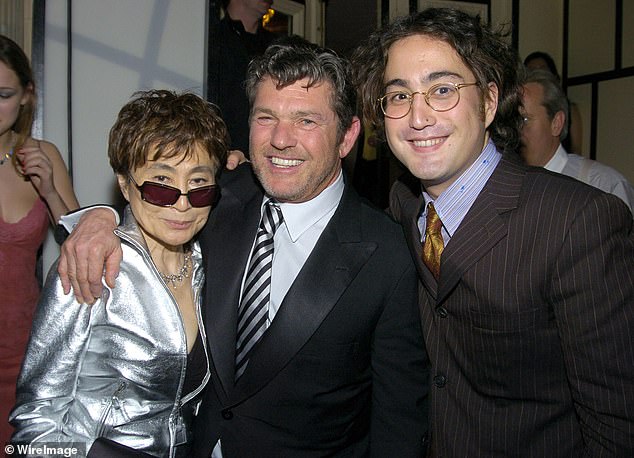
(164, 196)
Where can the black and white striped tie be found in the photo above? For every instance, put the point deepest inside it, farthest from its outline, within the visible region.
(254, 307)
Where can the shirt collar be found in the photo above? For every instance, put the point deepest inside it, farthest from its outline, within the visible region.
(558, 161)
(453, 204)
(298, 217)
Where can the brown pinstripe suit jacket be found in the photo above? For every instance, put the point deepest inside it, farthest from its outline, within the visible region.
(529, 329)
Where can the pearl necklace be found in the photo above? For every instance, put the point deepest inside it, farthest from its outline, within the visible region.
(174, 279)
(6, 157)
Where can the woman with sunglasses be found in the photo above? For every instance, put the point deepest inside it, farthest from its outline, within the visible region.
(130, 368)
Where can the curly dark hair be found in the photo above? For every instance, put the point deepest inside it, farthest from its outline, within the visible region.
(165, 124)
(484, 51)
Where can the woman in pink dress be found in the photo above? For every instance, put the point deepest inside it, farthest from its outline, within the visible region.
(35, 189)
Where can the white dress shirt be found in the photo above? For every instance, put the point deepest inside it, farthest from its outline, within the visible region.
(297, 236)
(593, 173)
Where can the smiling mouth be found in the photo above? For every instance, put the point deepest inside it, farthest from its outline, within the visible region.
(178, 223)
(280, 162)
(427, 143)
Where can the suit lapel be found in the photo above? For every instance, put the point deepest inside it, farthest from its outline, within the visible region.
(483, 226)
(334, 262)
(411, 202)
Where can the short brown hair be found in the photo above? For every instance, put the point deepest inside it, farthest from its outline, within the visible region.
(165, 124)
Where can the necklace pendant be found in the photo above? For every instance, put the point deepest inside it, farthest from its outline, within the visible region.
(174, 280)
(6, 157)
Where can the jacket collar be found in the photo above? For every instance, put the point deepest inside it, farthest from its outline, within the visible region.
(129, 230)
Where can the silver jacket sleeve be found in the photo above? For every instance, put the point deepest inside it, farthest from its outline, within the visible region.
(114, 369)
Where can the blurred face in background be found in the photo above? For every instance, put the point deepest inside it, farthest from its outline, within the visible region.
(540, 133)
(537, 63)
(12, 96)
(259, 7)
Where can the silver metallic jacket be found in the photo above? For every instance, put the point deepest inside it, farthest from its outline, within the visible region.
(115, 369)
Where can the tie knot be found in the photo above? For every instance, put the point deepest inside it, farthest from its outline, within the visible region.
(271, 217)
(433, 220)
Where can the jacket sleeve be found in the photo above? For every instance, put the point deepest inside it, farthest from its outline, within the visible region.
(47, 382)
(593, 301)
(625, 191)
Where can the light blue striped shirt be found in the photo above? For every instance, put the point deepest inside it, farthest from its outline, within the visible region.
(453, 204)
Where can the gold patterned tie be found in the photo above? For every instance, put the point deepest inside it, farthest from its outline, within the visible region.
(433, 245)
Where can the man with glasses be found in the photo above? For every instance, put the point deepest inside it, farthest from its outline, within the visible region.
(527, 285)
(545, 113)
(310, 306)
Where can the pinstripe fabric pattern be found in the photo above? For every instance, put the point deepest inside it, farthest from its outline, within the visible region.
(530, 335)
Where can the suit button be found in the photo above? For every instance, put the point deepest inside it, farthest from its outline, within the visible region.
(441, 312)
(440, 381)
(227, 414)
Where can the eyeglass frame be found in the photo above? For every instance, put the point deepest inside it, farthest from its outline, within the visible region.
(180, 193)
(425, 94)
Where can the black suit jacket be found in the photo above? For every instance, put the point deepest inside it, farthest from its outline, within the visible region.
(529, 329)
(342, 370)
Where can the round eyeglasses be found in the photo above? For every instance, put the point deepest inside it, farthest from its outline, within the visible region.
(165, 196)
(440, 97)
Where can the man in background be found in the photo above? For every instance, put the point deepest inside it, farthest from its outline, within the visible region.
(233, 42)
(545, 113)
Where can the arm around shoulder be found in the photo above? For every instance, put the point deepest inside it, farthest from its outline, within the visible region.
(91, 246)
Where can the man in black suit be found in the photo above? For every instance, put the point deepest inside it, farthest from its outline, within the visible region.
(340, 369)
(527, 277)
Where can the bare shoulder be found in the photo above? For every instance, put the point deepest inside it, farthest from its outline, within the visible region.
(49, 148)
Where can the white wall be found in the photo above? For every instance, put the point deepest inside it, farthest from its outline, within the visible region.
(118, 47)
(541, 28)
